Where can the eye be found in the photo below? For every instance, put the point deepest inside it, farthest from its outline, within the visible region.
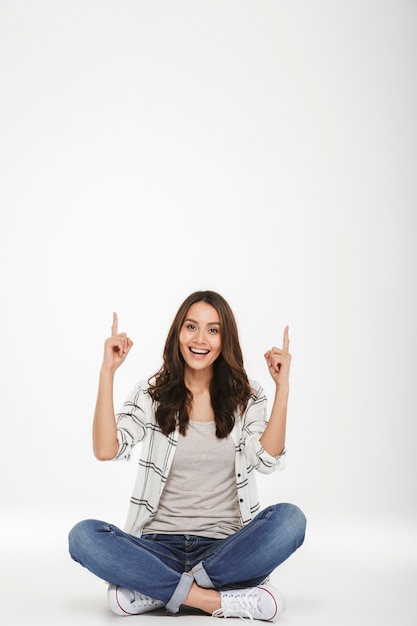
(213, 331)
(190, 326)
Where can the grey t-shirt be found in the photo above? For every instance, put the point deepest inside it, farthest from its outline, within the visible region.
(200, 496)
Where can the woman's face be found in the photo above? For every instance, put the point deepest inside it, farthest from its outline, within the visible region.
(200, 336)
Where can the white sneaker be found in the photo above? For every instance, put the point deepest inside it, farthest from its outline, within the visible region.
(126, 602)
(263, 602)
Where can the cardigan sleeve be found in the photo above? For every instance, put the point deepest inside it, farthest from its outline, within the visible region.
(131, 420)
(254, 421)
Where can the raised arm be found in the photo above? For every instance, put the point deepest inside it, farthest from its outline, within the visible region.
(279, 362)
(116, 349)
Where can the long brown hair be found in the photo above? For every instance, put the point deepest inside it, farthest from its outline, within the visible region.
(229, 387)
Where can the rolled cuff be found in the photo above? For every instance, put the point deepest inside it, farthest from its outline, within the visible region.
(201, 577)
(180, 593)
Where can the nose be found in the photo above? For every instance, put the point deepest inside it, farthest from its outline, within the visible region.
(200, 336)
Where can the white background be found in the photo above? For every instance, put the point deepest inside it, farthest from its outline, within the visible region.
(266, 150)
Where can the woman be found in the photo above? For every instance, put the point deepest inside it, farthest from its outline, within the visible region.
(195, 535)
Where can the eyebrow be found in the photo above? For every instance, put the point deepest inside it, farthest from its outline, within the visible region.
(195, 322)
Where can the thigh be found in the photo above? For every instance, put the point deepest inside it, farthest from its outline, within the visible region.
(123, 559)
(92, 540)
(278, 527)
(252, 553)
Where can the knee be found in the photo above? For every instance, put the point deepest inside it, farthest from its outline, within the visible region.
(295, 522)
(80, 538)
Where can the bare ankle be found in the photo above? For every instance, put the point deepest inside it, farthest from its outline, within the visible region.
(207, 600)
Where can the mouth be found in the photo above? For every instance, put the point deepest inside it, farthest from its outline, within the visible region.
(198, 352)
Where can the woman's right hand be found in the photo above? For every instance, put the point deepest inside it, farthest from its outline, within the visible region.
(116, 347)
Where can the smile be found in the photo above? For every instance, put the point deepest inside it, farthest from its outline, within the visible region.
(196, 351)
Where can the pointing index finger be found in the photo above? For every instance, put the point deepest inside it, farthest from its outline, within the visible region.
(286, 342)
(115, 325)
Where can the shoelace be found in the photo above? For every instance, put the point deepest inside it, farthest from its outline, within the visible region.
(141, 600)
(245, 607)
(229, 613)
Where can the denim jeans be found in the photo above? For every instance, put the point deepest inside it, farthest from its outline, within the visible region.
(164, 566)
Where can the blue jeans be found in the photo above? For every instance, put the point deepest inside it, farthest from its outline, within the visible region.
(165, 566)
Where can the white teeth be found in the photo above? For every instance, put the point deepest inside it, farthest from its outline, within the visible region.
(199, 351)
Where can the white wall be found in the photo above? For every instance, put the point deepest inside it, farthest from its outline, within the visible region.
(264, 149)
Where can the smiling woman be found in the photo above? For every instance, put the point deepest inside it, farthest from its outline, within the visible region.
(196, 538)
(207, 370)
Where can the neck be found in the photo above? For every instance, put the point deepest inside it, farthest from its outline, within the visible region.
(198, 381)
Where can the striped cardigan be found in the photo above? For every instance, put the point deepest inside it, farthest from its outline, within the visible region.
(136, 423)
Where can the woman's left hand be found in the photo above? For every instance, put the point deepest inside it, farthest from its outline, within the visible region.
(279, 361)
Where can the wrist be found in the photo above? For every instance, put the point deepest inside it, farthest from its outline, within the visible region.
(282, 389)
(107, 373)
